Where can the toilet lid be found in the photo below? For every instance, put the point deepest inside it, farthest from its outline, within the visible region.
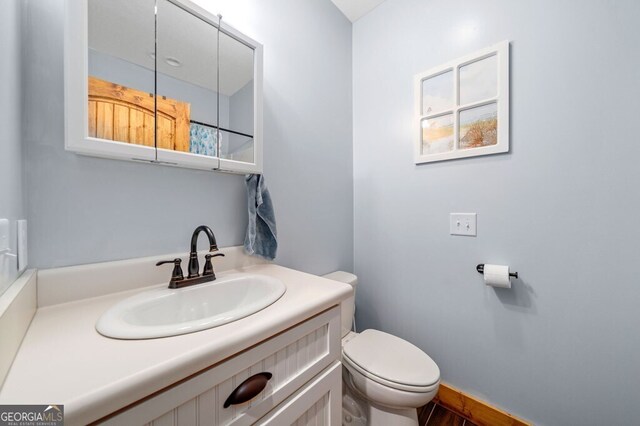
(391, 358)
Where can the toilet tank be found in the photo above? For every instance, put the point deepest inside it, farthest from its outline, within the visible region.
(348, 306)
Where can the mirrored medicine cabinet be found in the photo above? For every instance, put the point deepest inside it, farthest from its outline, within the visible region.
(162, 81)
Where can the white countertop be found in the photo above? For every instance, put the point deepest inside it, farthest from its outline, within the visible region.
(63, 360)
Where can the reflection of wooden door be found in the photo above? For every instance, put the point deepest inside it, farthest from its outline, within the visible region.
(122, 114)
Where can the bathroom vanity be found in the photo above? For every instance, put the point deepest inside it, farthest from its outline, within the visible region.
(293, 345)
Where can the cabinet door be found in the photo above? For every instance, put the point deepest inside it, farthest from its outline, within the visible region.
(156, 81)
(240, 102)
(319, 403)
(109, 99)
(187, 88)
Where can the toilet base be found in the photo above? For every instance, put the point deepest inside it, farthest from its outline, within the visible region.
(357, 411)
(379, 416)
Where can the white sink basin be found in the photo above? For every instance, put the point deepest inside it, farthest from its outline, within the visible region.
(165, 312)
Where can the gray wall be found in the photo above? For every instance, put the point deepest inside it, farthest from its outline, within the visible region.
(561, 347)
(11, 200)
(85, 209)
(308, 119)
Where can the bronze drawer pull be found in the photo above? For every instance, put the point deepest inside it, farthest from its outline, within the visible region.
(248, 389)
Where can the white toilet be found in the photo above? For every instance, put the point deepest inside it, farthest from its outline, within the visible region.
(385, 378)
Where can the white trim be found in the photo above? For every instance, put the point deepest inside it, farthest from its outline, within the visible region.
(501, 51)
(239, 166)
(168, 157)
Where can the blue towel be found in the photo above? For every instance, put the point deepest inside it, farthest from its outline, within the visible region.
(261, 239)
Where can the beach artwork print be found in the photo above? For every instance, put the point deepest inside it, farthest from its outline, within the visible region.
(463, 106)
(437, 134)
(478, 126)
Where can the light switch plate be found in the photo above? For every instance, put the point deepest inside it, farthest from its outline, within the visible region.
(4, 235)
(23, 259)
(463, 224)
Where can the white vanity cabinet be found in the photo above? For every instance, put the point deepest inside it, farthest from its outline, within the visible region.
(304, 388)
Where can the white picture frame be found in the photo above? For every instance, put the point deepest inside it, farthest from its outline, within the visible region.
(477, 121)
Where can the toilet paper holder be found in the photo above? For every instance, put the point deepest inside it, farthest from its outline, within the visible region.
(480, 269)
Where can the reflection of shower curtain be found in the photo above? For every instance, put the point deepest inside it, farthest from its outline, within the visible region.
(203, 140)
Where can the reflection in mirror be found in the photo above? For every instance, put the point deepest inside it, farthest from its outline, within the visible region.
(237, 98)
(121, 43)
(187, 82)
(236, 147)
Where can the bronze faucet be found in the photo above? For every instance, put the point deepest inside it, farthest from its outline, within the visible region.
(177, 277)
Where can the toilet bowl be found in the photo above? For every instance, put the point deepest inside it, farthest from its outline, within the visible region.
(385, 378)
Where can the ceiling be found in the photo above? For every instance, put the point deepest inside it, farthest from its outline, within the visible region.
(125, 29)
(356, 9)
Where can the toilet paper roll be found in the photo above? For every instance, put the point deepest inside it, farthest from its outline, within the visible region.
(497, 276)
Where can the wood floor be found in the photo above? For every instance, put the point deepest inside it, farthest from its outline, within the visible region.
(436, 415)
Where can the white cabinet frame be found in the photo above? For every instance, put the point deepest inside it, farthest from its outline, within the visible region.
(77, 137)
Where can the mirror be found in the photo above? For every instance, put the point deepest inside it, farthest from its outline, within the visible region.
(162, 81)
(236, 99)
(187, 82)
(121, 45)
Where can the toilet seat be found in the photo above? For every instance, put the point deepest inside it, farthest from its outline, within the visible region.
(391, 361)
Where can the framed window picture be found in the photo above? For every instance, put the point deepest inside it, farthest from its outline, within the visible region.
(462, 107)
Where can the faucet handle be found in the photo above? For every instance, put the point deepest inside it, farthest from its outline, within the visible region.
(208, 267)
(209, 255)
(177, 274)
